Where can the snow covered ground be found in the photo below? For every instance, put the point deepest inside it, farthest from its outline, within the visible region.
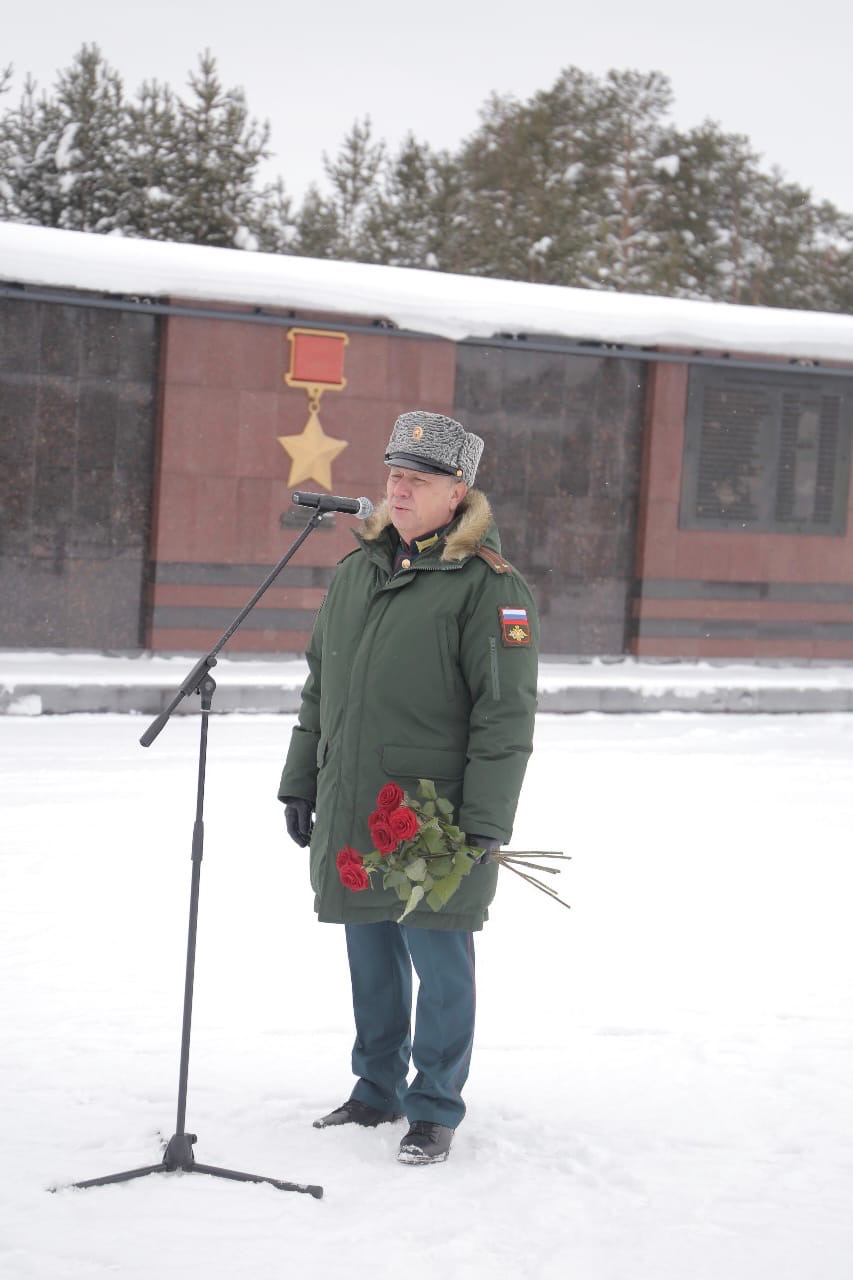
(662, 1087)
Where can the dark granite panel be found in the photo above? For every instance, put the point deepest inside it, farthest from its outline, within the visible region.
(18, 415)
(93, 507)
(40, 607)
(98, 414)
(479, 380)
(56, 422)
(101, 347)
(15, 514)
(534, 385)
(53, 505)
(77, 429)
(139, 348)
(61, 338)
(134, 439)
(561, 466)
(20, 336)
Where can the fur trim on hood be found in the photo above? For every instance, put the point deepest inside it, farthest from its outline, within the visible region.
(468, 536)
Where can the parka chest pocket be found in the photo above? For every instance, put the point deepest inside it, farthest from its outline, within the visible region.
(447, 637)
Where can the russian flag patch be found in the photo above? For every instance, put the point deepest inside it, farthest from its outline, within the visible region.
(515, 625)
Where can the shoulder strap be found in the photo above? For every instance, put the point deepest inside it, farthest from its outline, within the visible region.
(496, 563)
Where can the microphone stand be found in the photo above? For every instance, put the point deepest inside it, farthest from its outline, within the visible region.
(179, 1155)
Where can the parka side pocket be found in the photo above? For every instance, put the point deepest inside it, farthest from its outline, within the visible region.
(493, 669)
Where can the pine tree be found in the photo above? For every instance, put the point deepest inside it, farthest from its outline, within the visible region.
(272, 221)
(798, 250)
(353, 176)
(64, 151)
(629, 130)
(7, 192)
(31, 132)
(401, 228)
(151, 179)
(217, 154)
(318, 233)
(526, 187)
(705, 214)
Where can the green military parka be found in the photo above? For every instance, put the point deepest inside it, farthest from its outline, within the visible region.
(415, 674)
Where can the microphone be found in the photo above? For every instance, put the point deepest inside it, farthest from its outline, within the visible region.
(360, 507)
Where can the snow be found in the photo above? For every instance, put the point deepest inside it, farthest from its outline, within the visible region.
(50, 667)
(668, 164)
(65, 150)
(41, 682)
(445, 305)
(662, 1084)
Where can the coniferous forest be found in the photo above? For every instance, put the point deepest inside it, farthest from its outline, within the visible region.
(587, 183)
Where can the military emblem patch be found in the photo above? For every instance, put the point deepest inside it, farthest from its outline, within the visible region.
(515, 626)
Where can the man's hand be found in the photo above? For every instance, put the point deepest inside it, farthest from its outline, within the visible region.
(297, 815)
(487, 843)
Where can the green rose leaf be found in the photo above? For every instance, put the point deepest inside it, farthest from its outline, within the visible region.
(416, 870)
(433, 839)
(444, 806)
(414, 898)
(427, 788)
(393, 879)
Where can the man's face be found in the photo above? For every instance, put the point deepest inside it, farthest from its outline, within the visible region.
(421, 501)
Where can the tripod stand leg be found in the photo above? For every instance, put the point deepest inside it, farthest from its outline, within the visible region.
(178, 1156)
(316, 1192)
(127, 1176)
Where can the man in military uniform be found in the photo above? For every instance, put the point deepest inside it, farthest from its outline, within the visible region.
(422, 664)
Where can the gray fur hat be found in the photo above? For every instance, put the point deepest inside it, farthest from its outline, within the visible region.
(430, 442)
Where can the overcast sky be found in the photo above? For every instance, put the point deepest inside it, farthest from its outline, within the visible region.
(775, 70)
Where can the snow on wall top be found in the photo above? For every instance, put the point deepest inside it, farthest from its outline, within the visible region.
(447, 306)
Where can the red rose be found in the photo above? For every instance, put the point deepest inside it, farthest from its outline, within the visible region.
(404, 823)
(351, 870)
(390, 797)
(383, 837)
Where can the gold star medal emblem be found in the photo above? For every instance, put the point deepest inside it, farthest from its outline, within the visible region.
(317, 365)
(312, 453)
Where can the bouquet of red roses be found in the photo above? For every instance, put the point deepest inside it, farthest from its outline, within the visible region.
(421, 853)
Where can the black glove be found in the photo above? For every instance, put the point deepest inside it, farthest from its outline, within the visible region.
(487, 843)
(297, 815)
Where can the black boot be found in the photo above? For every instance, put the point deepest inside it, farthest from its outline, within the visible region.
(425, 1143)
(355, 1112)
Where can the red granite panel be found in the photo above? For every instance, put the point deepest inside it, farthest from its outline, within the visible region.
(664, 647)
(184, 350)
(251, 532)
(260, 356)
(421, 375)
(174, 520)
(719, 647)
(256, 423)
(214, 521)
(832, 650)
(200, 430)
(656, 551)
(275, 597)
(692, 556)
(178, 639)
(366, 366)
(760, 610)
(664, 444)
